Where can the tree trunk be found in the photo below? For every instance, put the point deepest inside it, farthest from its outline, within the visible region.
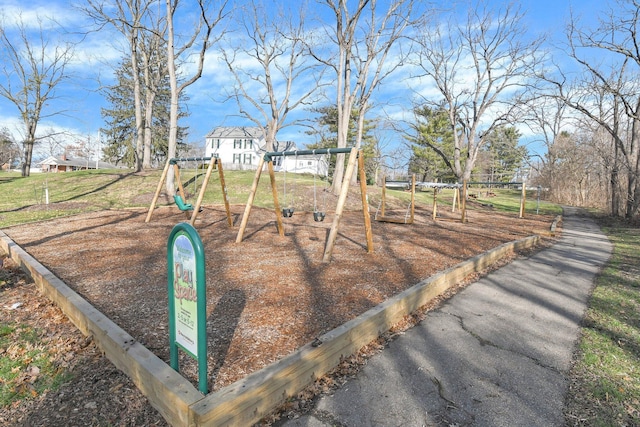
(633, 165)
(360, 132)
(173, 112)
(137, 101)
(614, 182)
(146, 160)
(28, 155)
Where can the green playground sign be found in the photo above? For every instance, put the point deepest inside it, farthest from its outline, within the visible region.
(187, 298)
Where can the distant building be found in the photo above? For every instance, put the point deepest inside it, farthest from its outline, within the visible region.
(67, 164)
(240, 148)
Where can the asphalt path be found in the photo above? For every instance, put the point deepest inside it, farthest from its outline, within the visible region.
(496, 354)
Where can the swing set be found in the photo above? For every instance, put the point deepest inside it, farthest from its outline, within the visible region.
(355, 156)
(409, 214)
(191, 211)
(318, 215)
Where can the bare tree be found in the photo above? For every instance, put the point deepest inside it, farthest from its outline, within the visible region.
(154, 72)
(129, 18)
(9, 148)
(33, 70)
(360, 63)
(546, 116)
(280, 75)
(196, 45)
(480, 69)
(584, 104)
(609, 91)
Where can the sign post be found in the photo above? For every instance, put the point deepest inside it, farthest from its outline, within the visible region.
(187, 298)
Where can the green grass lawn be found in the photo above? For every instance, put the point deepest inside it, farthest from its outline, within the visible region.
(605, 381)
(26, 367)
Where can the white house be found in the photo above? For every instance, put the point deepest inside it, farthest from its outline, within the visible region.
(240, 148)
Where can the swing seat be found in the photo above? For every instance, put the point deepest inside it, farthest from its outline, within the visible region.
(181, 204)
(318, 216)
(287, 212)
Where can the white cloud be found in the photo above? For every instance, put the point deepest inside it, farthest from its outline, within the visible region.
(33, 15)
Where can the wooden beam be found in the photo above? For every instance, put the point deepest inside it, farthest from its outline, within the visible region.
(435, 203)
(252, 195)
(176, 173)
(365, 203)
(203, 188)
(523, 199)
(223, 188)
(157, 193)
(456, 198)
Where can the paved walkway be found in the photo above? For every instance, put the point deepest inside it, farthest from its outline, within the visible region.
(496, 354)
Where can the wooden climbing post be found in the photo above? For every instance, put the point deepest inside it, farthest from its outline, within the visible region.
(223, 186)
(435, 203)
(176, 174)
(523, 199)
(456, 198)
(365, 204)
(207, 175)
(252, 195)
(158, 190)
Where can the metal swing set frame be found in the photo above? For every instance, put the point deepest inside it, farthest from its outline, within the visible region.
(191, 211)
(355, 156)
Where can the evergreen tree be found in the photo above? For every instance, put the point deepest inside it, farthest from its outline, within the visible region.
(504, 155)
(432, 146)
(327, 133)
(120, 120)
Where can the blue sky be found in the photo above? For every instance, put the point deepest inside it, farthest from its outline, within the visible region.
(98, 52)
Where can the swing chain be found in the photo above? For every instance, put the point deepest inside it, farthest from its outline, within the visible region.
(319, 216)
(288, 211)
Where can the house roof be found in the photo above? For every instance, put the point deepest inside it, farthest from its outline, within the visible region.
(75, 162)
(236, 132)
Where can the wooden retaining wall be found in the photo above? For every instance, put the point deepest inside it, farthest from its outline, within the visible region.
(255, 396)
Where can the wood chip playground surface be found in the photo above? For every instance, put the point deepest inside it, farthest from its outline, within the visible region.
(266, 296)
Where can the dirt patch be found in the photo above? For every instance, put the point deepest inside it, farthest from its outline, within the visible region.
(267, 296)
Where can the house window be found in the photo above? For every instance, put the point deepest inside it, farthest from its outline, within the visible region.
(237, 158)
(237, 143)
(247, 159)
(248, 144)
(215, 143)
(309, 163)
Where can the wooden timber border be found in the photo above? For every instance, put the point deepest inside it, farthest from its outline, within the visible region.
(257, 395)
